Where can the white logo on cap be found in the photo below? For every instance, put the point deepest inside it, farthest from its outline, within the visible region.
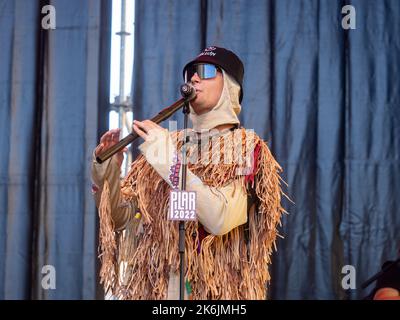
(207, 52)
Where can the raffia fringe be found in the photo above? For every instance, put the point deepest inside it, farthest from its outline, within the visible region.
(108, 245)
(226, 267)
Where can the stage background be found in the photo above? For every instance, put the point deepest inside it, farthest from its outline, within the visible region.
(51, 97)
(326, 100)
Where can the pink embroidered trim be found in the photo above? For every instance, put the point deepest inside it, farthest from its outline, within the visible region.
(174, 172)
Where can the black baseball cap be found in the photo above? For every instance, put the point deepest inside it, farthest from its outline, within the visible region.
(224, 59)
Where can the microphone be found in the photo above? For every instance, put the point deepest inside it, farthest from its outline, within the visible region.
(188, 92)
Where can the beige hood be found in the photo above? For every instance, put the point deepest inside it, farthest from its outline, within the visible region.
(226, 110)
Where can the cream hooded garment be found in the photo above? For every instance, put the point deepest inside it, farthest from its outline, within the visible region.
(226, 110)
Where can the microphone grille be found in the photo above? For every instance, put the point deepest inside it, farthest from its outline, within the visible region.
(187, 90)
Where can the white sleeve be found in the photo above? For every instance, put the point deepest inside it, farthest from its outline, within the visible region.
(121, 212)
(219, 210)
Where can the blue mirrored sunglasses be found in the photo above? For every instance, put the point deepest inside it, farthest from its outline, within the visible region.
(203, 70)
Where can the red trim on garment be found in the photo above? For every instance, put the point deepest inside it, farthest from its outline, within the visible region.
(202, 234)
(95, 188)
(250, 177)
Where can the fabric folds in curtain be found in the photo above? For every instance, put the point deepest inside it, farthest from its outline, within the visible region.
(327, 101)
(49, 99)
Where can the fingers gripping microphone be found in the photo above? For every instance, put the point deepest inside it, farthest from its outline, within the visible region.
(188, 93)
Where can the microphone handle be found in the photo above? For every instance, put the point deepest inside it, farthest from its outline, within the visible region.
(161, 116)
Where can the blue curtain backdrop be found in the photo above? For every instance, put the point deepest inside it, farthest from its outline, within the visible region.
(326, 100)
(50, 98)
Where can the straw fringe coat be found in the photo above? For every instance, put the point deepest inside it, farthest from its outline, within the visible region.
(137, 262)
